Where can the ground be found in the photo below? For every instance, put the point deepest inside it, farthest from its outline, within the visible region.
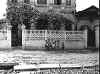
(84, 57)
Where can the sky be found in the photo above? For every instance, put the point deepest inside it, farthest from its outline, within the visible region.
(80, 5)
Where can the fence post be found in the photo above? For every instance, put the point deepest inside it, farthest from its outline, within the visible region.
(64, 40)
(23, 36)
(46, 37)
(9, 35)
(46, 33)
(85, 38)
(97, 36)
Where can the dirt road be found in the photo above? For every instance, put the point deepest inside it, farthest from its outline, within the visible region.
(58, 57)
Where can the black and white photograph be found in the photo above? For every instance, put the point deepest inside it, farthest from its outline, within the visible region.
(49, 36)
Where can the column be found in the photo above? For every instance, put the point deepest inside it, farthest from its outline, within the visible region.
(32, 2)
(97, 36)
(46, 37)
(85, 37)
(73, 27)
(35, 2)
(9, 35)
(49, 2)
(53, 2)
(23, 36)
(63, 2)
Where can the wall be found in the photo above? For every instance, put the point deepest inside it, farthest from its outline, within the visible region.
(5, 39)
(40, 39)
(36, 44)
(32, 39)
(76, 40)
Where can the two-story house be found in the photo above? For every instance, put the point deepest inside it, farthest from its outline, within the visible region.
(65, 7)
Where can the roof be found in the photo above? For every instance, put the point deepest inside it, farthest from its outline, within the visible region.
(91, 12)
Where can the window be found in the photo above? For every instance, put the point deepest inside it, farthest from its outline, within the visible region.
(41, 1)
(68, 2)
(57, 2)
(26, 1)
(14, 1)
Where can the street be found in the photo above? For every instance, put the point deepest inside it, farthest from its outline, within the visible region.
(49, 57)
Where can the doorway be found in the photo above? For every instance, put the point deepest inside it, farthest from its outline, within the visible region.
(90, 35)
(16, 36)
(91, 38)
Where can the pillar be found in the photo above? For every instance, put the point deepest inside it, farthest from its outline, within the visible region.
(9, 35)
(73, 27)
(97, 36)
(23, 36)
(46, 35)
(49, 2)
(85, 38)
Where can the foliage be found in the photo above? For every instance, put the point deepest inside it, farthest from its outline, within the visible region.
(50, 20)
(21, 14)
(25, 14)
(55, 21)
(42, 21)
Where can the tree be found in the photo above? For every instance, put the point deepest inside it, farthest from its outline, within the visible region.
(42, 21)
(50, 21)
(21, 14)
(18, 15)
(55, 21)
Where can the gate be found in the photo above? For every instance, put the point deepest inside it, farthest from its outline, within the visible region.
(16, 36)
(91, 38)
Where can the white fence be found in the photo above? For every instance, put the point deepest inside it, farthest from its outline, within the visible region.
(5, 38)
(42, 39)
(49, 39)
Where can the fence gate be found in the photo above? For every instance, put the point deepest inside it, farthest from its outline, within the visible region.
(16, 36)
(91, 38)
